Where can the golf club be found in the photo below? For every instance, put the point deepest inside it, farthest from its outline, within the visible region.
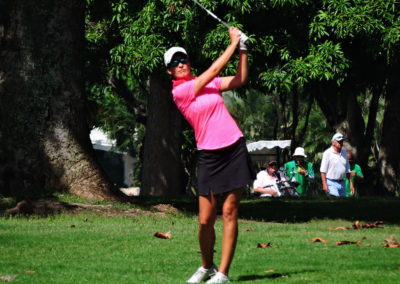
(243, 37)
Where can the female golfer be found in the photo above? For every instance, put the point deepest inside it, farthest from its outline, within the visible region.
(223, 159)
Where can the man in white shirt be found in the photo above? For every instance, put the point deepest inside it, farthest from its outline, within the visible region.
(335, 167)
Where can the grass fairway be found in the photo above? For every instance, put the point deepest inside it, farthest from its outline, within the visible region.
(87, 248)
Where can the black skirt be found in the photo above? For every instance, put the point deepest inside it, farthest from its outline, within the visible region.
(225, 169)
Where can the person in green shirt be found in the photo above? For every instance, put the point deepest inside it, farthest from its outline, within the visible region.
(300, 172)
(356, 176)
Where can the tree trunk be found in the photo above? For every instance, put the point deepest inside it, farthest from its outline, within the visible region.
(44, 135)
(162, 171)
(295, 120)
(276, 110)
(343, 112)
(389, 154)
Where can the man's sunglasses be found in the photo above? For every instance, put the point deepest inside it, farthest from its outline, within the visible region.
(176, 62)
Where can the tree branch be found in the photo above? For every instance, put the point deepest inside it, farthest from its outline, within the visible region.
(123, 91)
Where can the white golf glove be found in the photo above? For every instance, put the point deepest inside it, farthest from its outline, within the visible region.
(243, 41)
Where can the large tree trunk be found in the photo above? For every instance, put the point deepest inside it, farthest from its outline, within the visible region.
(389, 154)
(162, 171)
(44, 135)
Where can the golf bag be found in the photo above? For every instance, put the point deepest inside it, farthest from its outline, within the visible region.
(286, 187)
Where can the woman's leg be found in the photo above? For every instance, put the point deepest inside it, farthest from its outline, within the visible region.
(229, 237)
(207, 216)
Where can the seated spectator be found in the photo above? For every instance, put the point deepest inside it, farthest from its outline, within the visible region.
(266, 183)
(300, 172)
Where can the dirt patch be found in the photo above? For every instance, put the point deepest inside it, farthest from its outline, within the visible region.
(45, 208)
(165, 208)
(112, 211)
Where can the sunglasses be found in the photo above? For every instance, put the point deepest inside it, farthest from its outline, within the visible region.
(176, 62)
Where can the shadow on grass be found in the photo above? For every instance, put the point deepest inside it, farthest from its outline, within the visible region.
(293, 210)
(270, 275)
(259, 277)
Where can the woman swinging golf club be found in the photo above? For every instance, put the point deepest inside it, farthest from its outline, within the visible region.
(224, 167)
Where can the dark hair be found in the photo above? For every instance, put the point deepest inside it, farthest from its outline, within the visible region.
(271, 163)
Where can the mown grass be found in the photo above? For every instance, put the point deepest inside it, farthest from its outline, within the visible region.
(86, 248)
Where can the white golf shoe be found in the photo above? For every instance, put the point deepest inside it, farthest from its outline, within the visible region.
(219, 278)
(202, 274)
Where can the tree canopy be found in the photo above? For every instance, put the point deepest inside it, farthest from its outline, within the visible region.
(316, 67)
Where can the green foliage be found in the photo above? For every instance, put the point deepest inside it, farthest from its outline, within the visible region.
(116, 120)
(295, 44)
(253, 112)
(318, 137)
(376, 21)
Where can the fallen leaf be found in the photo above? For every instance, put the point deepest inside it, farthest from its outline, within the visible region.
(30, 271)
(377, 224)
(391, 239)
(359, 242)
(387, 245)
(264, 245)
(316, 240)
(162, 235)
(338, 228)
(339, 243)
(269, 271)
(391, 243)
(7, 278)
(248, 229)
(357, 225)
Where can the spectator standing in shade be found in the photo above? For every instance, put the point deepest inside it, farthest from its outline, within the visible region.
(335, 167)
(356, 176)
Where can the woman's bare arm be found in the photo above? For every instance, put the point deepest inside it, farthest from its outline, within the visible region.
(220, 63)
(233, 82)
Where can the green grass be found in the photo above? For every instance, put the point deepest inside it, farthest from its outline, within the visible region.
(97, 249)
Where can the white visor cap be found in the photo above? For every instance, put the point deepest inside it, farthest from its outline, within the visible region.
(170, 53)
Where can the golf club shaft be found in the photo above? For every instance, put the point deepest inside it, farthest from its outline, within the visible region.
(242, 35)
(212, 14)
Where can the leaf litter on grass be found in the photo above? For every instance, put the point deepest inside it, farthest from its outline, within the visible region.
(319, 240)
(359, 242)
(391, 243)
(357, 225)
(269, 244)
(166, 235)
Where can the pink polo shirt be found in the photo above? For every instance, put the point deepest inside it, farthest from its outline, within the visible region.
(206, 112)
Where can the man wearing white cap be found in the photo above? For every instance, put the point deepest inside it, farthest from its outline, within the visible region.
(301, 170)
(335, 167)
